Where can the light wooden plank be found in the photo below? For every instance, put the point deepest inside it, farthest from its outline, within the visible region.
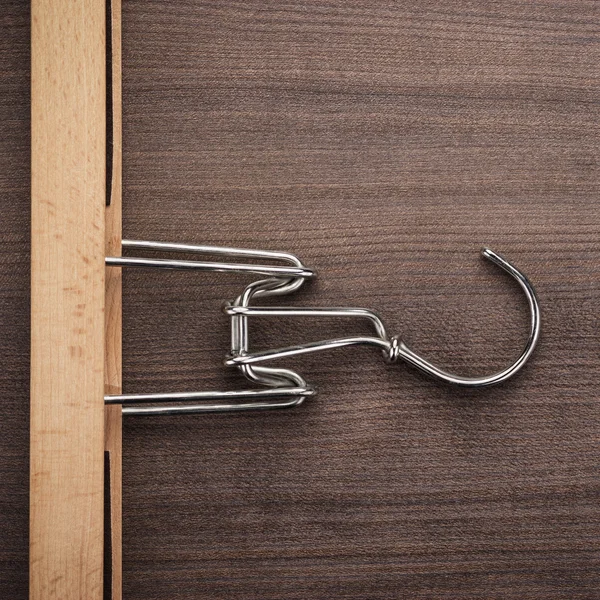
(113, 316)
(67, 298)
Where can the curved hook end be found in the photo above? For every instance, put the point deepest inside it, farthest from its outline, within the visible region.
(490, 255)
(411, 357)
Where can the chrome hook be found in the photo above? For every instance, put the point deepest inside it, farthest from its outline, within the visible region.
(284, 388)
(401, 350)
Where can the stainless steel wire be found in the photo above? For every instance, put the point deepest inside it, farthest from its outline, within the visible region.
(296, 270)
(284, 388)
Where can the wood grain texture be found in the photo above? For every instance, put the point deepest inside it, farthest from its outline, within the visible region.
(67, 299)
(15, 216)
(375, 140)
(384, 143)
(113, 371)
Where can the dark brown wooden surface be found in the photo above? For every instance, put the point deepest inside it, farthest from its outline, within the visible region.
(15, 216)
(384, 143)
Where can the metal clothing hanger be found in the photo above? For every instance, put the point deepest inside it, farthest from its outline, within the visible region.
(284, 388)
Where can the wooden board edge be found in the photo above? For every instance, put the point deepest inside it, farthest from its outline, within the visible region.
(113, 315)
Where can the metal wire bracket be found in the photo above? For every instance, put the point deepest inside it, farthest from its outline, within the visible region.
(284, 388)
